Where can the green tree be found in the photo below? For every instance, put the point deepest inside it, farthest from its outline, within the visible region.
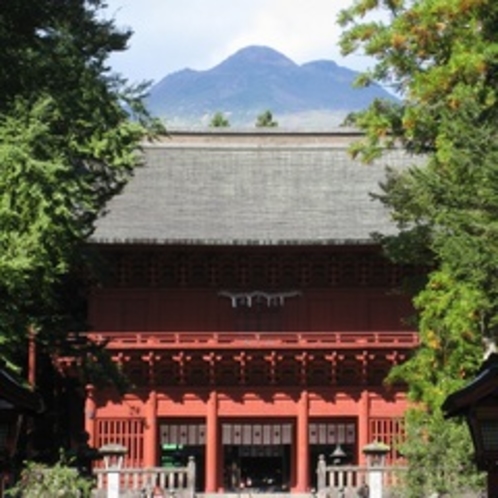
(219, 121)
(70, 131)
(441, 56)
(265, 120)
(67, 144)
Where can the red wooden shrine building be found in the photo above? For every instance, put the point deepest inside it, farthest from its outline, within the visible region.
(250, 307)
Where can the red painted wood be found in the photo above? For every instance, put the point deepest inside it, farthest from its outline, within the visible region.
(126, 309)
(336, 340)
(212, 458)
(363, 418)
(302, 463)
(90, 414)
(151, 433)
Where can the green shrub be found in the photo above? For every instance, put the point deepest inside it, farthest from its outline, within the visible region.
(58, 481)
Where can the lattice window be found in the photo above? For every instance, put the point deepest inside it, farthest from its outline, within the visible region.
(189, 434)
(167, 274)
(256, 434)
(389, 431)
(182, 268)
(258, 373)
(318, 373)
(136, 270)
(116, 268)
(199, 271)
(232, 273)
(333, 270)
(288, 372)
(227, 376)
(137, 372)
(198, 373)
(349, 269)
(381, 272)
(248, 269)
(288, 271)
(363, 270)
(243, 270)
(213, 268)
(377, 372)
(330, 433)
(127, 432)
(303, 267)
(167, 372)
(259, 274)
(319, 273)
(349, 372)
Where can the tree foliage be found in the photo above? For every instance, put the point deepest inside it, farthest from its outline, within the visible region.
(435, 448)
(441, 56)
(40, 481)
(265, 120)
(219, 121)
(69, 134)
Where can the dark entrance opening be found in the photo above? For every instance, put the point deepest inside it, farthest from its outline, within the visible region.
(257, 468)
(257, 456)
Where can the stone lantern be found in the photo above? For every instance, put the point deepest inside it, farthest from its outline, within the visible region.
(113, 455)
(338, 456)
(375, 453)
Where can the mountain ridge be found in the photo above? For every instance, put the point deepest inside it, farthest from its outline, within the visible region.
(258, 78)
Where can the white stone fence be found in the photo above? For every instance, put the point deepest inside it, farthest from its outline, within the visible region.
(345, 481)
(177, 482)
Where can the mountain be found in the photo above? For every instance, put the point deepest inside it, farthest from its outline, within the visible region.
(256, 79)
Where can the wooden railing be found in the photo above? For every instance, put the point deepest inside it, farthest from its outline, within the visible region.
(344, 481)
(227, 340)
(178, 482)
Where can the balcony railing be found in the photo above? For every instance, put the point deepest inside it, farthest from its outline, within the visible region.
(236, 340)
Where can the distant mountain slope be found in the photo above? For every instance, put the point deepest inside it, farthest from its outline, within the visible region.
(255, 79)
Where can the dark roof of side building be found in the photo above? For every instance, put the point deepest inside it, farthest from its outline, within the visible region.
(271, 187)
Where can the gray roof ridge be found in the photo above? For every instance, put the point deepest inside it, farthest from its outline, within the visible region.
(235, 242)
(245, 146)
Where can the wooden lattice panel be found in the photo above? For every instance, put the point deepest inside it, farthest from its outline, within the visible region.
(389, 431)
(127, 432)
(331, 433)
(253, 269)
(349, 372)
(378, 371)
(318, 372)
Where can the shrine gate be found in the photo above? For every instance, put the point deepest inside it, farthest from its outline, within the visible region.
(251, 309)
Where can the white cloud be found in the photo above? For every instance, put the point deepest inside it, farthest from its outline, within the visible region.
(170, 35)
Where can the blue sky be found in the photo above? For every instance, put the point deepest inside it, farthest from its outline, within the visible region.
(170, 35)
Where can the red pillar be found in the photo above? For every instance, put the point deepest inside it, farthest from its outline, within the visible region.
(363, 421)
(212, 444)
(302, 482)
(32, 357)
(90, 415)
(150, 433)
